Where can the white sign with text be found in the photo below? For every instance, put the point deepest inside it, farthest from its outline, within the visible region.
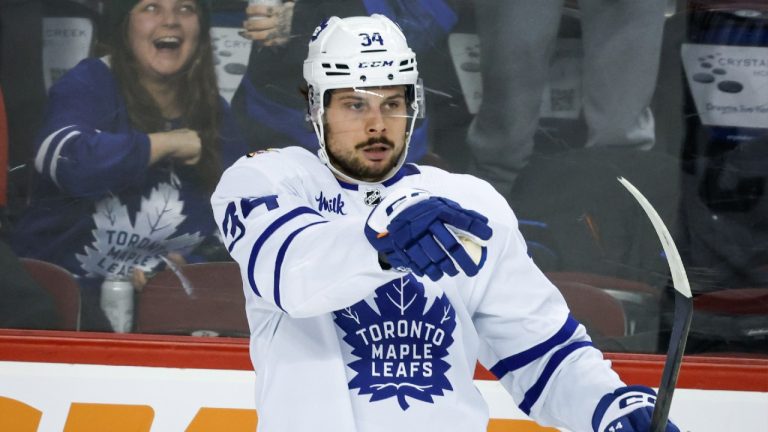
(729, 84)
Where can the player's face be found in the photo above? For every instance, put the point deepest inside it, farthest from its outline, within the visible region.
(365, 130)
(163, 36)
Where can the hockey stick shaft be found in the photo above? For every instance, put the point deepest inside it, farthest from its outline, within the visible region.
(680, 327)
(682, 317)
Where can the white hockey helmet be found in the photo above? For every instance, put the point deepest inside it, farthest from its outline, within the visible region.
(358, 52)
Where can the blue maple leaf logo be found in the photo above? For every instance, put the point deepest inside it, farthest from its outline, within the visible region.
(400, 350)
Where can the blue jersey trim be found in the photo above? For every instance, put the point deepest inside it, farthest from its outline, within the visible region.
(519, 360)
(405, 170)
(281, 257)
(532, 395)
(282, 220)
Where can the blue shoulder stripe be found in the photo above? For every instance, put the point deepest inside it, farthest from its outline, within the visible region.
(519, 360)
(281, 257)
(274, 226)
(533, 393)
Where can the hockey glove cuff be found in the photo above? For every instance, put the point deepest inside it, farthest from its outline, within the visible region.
(627, 409)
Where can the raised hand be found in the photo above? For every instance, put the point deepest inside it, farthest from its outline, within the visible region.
(268, 25)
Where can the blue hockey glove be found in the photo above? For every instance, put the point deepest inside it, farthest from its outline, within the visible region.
(414, 230)
(378, 220)
(627, 409)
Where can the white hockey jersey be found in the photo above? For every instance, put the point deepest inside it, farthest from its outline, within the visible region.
(338, 344)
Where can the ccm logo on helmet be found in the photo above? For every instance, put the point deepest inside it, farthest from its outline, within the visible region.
(375, 64)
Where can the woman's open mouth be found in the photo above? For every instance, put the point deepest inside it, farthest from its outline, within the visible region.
(167, 43)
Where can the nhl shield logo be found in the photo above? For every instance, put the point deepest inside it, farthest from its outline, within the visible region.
(372, 197)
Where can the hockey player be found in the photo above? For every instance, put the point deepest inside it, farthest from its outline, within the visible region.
(373, 286)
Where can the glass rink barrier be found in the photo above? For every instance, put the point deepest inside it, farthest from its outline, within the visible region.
(196, 193)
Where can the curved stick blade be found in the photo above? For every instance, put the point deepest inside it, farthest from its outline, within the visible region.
(679, 277)
(682, 317)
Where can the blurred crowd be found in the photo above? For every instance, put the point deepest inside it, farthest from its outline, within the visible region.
(117, 118)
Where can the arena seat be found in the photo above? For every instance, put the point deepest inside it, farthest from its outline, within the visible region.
(740, 301)
(639, 301)
(62, 287)
(731, 321)
(602, 314)
(211, 303)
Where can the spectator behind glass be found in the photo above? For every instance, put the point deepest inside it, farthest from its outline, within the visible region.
(130, 150)
(621, 41)
(268, 105)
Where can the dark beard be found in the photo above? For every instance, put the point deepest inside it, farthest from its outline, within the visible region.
(356, 170)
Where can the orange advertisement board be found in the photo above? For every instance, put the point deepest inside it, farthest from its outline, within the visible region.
(71, 382)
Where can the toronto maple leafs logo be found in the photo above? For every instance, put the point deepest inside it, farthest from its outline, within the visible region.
(401, 349)
(121, 244)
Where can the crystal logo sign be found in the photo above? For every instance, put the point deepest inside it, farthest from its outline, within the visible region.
(726, 83)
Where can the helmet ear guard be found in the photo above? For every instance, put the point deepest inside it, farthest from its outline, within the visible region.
(360, 52)
(416, 99)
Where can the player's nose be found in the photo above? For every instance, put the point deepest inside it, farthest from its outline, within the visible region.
(374, 121)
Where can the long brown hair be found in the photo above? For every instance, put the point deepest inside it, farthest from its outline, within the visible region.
(198, 93)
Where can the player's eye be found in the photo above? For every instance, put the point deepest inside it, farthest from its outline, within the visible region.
(392, 106)
(355, 106)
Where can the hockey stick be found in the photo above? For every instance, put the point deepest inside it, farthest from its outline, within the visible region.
(682, 317)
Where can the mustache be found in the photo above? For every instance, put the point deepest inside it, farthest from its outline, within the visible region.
(375, 140)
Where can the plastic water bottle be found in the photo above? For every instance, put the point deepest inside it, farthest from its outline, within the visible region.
(117, 303)
(264, 3)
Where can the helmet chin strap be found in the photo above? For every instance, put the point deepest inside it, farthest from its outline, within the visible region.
(322, 153)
